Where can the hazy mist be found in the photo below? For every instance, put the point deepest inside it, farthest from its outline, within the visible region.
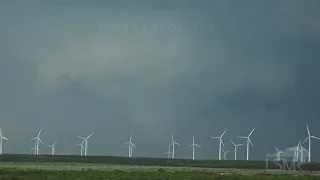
(151, 68)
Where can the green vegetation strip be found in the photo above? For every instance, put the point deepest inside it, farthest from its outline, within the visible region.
(36, 174)
(111, 160)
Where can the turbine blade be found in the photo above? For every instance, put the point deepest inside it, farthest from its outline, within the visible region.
(40, 140)
(242, 137)
(39, 132)
(5, 138)
(197, 145)
(308, 130)
(190, 146)
(172, 137)
(89, 135)
(81, 137)
(305, 140)
(311, 136)
(251, 132)
(223, 133)
(222, 143)
(215, 137)
(250, 142)
(232, 142)
(33, 138)
(177, 143)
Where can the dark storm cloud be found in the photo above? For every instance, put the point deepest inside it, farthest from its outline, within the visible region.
(152, 68)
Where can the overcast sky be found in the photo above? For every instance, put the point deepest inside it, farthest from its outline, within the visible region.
(154, 67)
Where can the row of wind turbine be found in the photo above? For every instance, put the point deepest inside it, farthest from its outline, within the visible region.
(171, 153)
(85, 141)
(221, 144)
(298, 150)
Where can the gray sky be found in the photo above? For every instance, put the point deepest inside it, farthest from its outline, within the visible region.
(150, 68)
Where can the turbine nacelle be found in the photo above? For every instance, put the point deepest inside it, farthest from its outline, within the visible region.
(194, 145)
(236, 145)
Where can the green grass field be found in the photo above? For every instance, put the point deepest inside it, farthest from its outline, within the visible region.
(106, 167)
(41, 174)
(111, 160)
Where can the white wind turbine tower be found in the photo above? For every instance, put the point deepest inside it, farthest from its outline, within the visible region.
(37, 139)
(172, 144)
(220, 143)
(278, 153)
(248, 142)
(169, 151)
(53, 148)
(85, 140)
(1, 140)
(235, 149)
(309, 138)
(296, 150)
(81, 148)
(224, 154)
(302, 149)
(130, 146)
(34, 150)
(193, 147)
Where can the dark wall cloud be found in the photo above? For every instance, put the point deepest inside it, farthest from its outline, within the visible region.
(151, 68)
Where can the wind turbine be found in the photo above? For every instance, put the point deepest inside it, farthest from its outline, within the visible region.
(248, 142)
(169, 151)
(34, 148)
(1, 140)
(130, 146)
(53, 148)
(193, 145)
(235, 149)
(309, 138)
(225, 154)
(81, 148)
(278, 153)
(302, 149)
(85, 140)
(296, 150)
(37, 139)
(220, 143)
(172, 144)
